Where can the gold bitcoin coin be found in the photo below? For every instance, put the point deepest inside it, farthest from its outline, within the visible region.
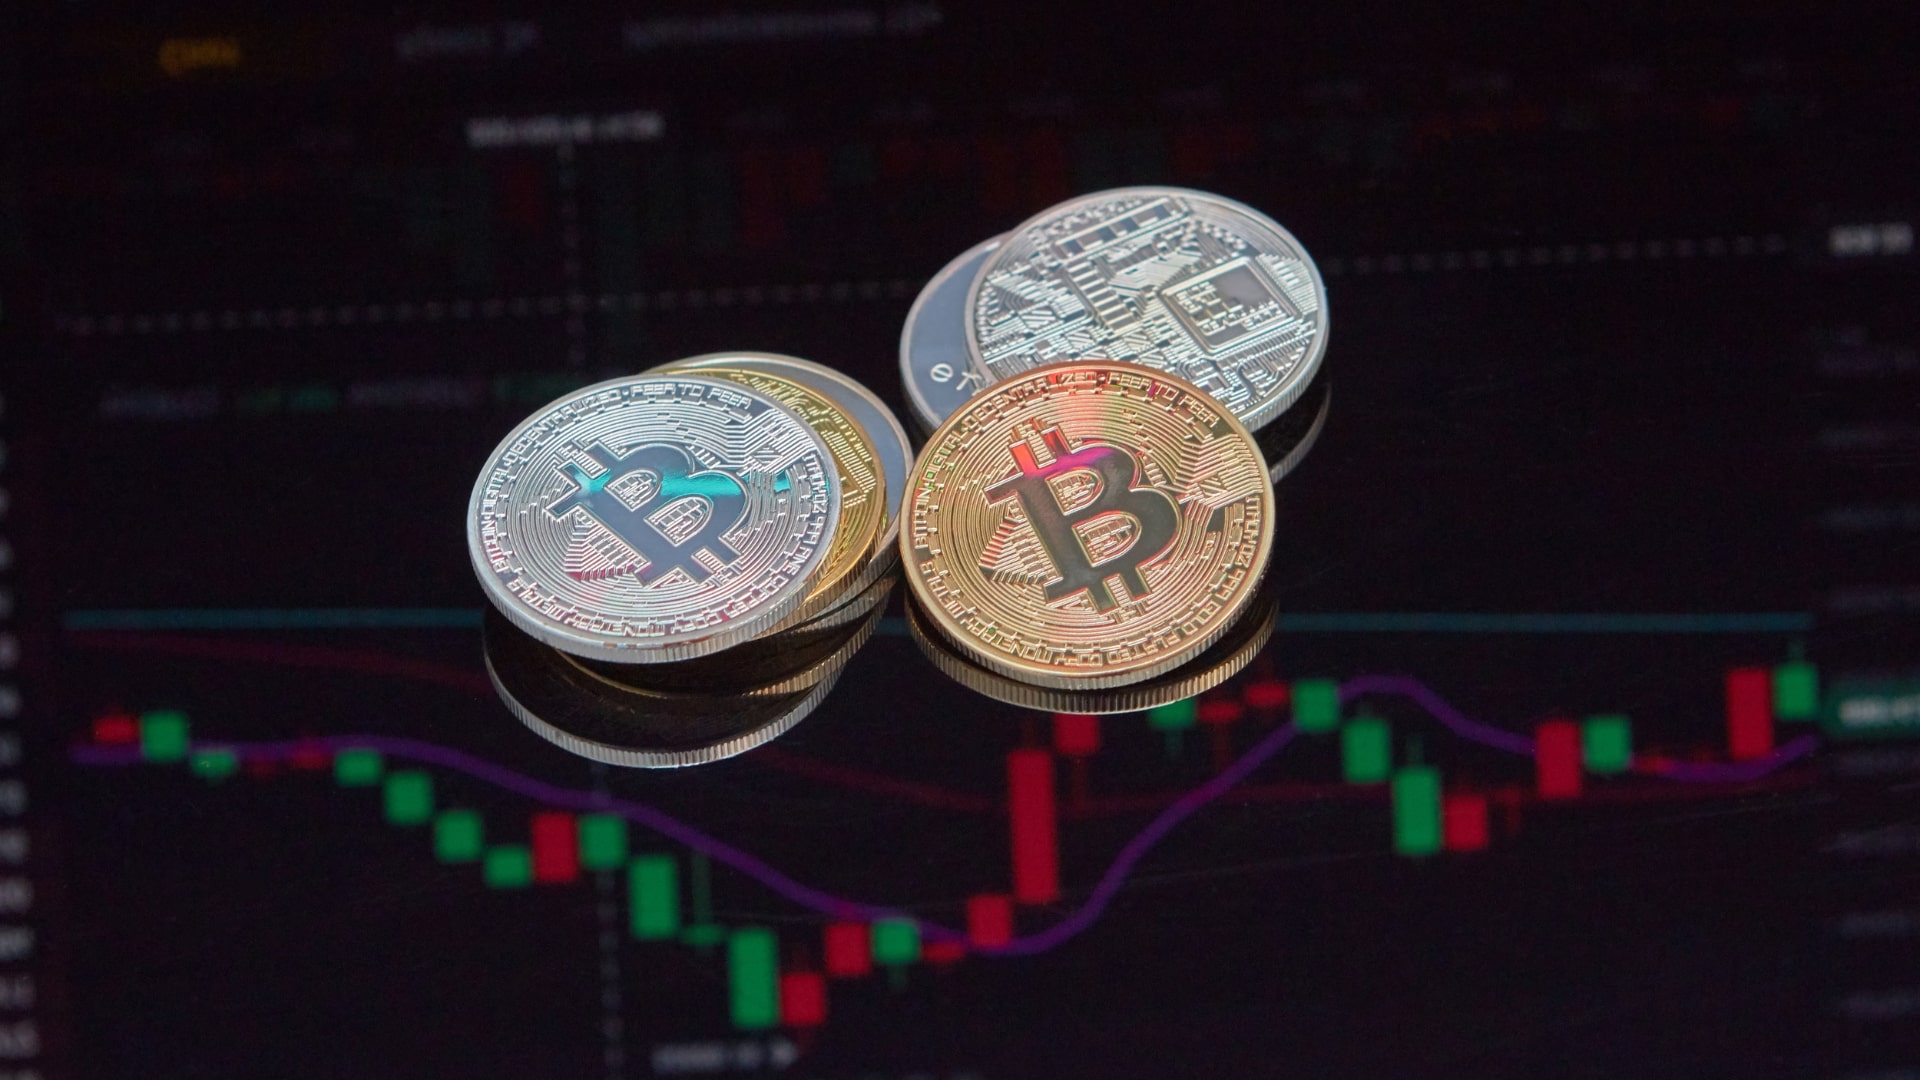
(1219, 662)
(863, 507)
(1088, 524)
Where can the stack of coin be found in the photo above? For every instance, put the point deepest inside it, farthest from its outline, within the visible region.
(1112, 388)
(1185, 282)
(664, 546)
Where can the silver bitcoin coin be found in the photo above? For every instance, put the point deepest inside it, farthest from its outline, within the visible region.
(934, 364)
(872, 414)
(652, 518)
(1192, 284)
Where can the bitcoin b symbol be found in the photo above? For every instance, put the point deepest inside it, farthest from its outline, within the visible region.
(1154, 516)
(688, 510)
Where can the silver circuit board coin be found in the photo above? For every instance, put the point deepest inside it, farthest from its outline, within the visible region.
(1190, 283)
(867, 410)
(653, 517)
(934, 364)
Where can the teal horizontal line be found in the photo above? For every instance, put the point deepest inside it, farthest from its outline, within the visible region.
(272, 619)
(1441, 622)
(1334, 622)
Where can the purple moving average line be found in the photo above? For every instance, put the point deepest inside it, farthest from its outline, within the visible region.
(1143, 841)
(1735, 772)
(1455, 721)
(1073, 923)
(1695, 772)
(538, 790)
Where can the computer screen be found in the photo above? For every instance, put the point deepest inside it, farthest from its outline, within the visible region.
(1583, 742)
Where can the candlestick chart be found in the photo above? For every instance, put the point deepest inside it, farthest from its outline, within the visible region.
(1403, 763)
(1584, 742)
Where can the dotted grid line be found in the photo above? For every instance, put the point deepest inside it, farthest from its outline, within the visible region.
(519, 307)
(577, 304)
(1422, 262)
(612, 1025)
(612, 999)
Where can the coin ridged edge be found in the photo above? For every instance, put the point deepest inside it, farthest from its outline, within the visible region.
(944, 656)
(793, 682)
(663, 759)
(633, 652)
(851, 610)
(1258, 418)
(1257, 570)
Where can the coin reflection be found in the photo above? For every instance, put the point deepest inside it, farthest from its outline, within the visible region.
(1287, 441)
(1224, 659)
(675, 714)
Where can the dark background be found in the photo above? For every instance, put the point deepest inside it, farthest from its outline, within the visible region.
(1623, 321)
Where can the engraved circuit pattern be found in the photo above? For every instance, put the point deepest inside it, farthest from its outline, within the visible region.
(1188, 283)
(713, 551)
(1148, 457)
